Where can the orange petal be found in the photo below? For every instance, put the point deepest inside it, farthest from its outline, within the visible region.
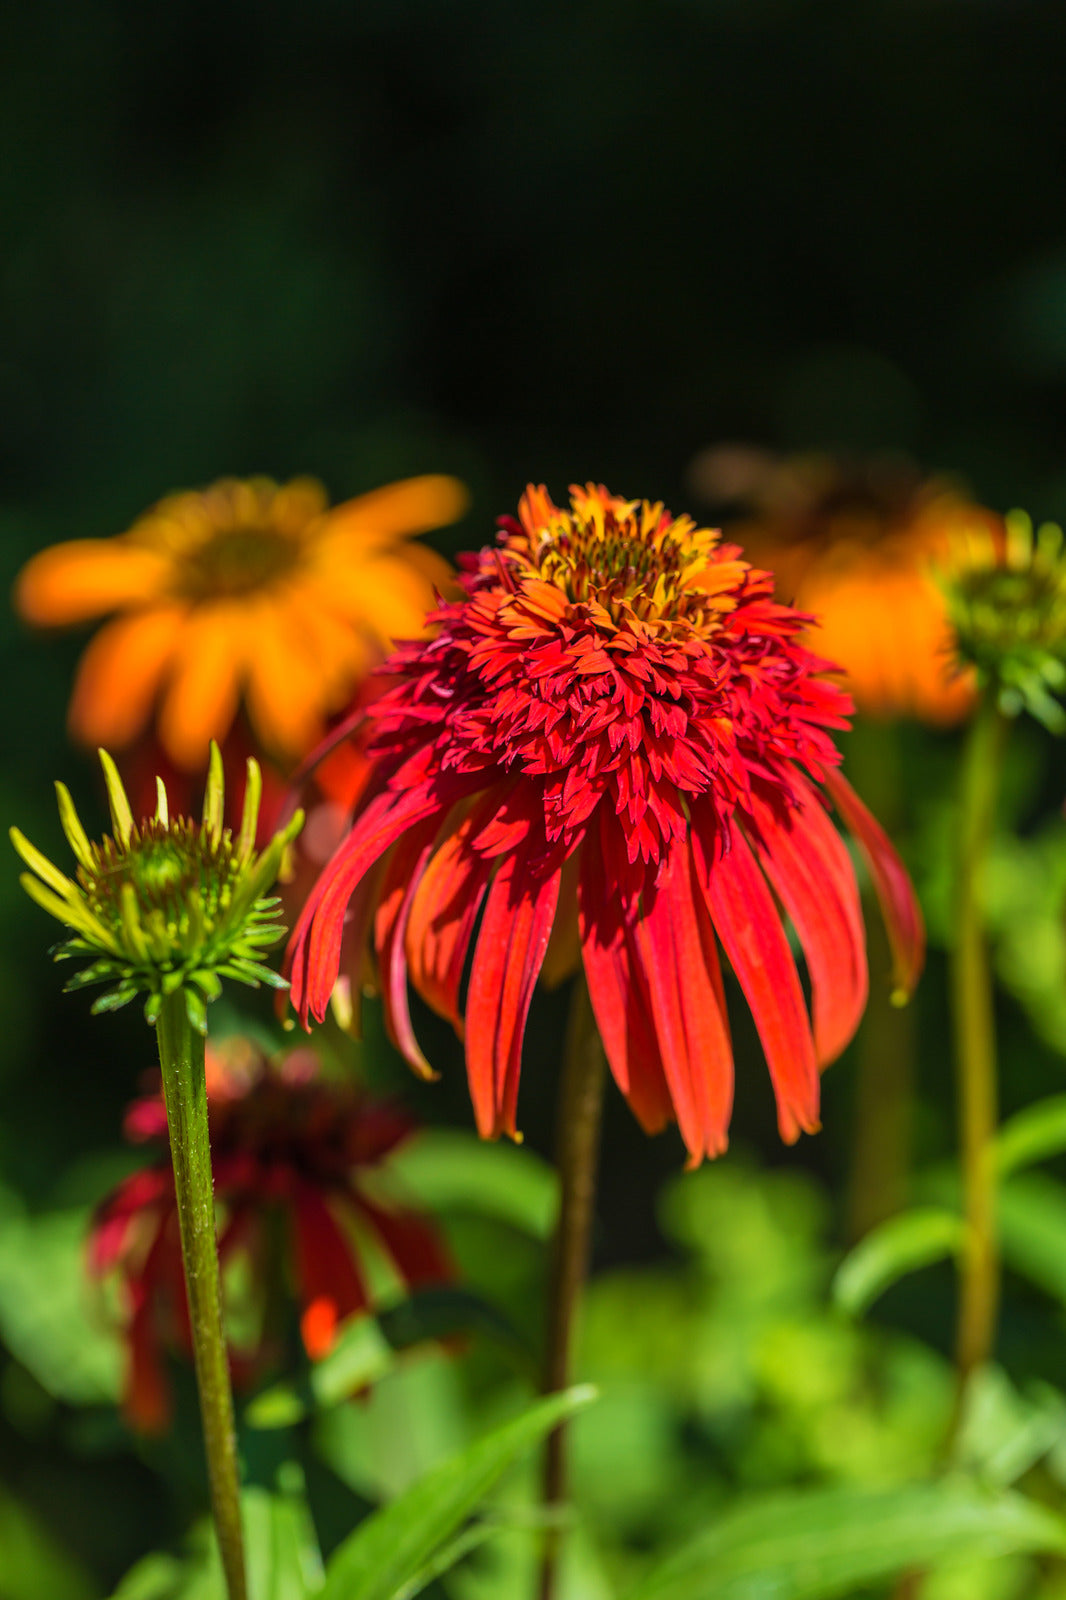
(201, 700)
(388, 595)
(284, 690)
(414, 505)
(86, 577)
(119, 676)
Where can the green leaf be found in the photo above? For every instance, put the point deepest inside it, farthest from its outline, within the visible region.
(1032, 1223)
(385, 1554)
(33, 1566)
(448, 1170)
(362, 1355)
(903, 1244)
(367, 1348)
(823, 1543)
(47, 1315)
(1032, 1135)
(281, 1554)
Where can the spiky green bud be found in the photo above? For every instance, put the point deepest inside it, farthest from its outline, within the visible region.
(1007, 604)
(165, 904)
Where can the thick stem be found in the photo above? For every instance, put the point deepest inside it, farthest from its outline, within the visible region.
(577, 1145)
(181, 1056)
(975, 1047)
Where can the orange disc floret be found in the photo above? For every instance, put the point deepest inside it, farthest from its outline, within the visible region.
(859, 544)
(248, 594)
(612, 745)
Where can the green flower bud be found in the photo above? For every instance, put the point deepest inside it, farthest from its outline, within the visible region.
(1007, 605)
(164, 905)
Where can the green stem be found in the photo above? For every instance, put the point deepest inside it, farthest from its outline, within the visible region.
(578, 1137)
(181, 1056)
(975, 1047)
(884, 1051)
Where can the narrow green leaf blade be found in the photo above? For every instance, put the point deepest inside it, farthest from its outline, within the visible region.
(383, 1555)
(1032, 1135)
(903, 1244)
(821, 1544)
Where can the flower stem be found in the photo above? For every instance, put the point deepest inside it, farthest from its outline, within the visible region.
(975, 1048)
(181, 1056)
(577, 1149)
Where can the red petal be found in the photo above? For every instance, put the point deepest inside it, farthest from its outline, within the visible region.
(747, 922)
(414, 1244)
(899, 904)
(138, 1194)
(608, 898)
(328, 1279)
(510, 950)
(809, 866)
(390, 925)
(444, 911)
(146, 1396)
(675, 947)
(314, 950)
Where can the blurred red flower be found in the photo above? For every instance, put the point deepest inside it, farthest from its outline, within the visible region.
(296, 1162)
(609, 751)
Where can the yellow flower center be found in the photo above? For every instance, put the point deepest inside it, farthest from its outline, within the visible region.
(236, 561)
(629, 561)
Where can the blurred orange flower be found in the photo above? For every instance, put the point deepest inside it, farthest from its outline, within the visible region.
(857, 544)
(247, 594)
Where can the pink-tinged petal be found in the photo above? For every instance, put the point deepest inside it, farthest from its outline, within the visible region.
(617, 990)
(330, 1286)
(747, 922)
(314, 950)
(899, 903)
(515, 930)
(416, 1247)
(444, 911)
(398, 888)
(674, 944)
(809, 867)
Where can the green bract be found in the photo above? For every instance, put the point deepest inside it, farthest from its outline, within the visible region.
(1007, 606)
(165, 904)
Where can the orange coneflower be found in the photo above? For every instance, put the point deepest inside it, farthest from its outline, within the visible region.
(858, 544)
(250, 596)
(612, 747)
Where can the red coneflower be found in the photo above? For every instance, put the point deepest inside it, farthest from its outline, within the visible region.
(611, 746)
(287, 1145)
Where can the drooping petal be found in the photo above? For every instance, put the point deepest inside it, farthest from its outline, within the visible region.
(808, 864)
(515, 930)
(895, 892)
(119, 676)
(146, 1398)
(314, 950)
(398, 889)
(137, 1195)
(200, 702)
(608, 897)
(415, 1246)
(747, 922)
(329, 1282)
(444, 911)
(674, 945)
